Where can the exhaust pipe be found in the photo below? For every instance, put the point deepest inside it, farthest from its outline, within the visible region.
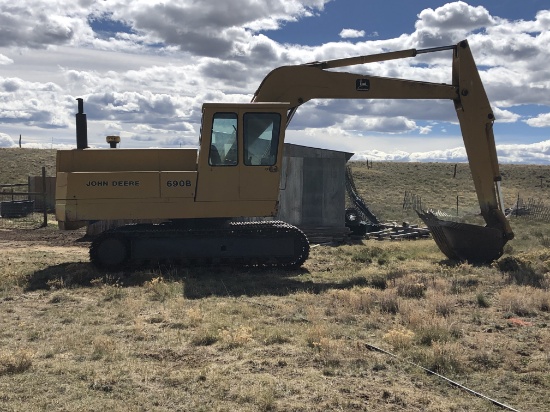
(81, 127)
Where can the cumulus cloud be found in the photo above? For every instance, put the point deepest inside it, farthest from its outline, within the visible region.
(456, 155)
(534, 153)
(31, 104)
(217, 29)
(6, 140)
(39, 23)
(542, 120)
(352, 33)
(390, 125)
(4, 60)
(537, 153)
(450, 23)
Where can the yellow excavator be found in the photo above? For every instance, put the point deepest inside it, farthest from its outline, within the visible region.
(198, 195)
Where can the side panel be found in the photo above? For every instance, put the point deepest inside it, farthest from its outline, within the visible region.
(153, 209)
(218, 184)
(113, 185)
(113, 160)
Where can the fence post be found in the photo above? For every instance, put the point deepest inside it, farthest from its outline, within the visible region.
(44, 196)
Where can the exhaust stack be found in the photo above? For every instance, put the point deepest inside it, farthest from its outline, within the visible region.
(81, 127)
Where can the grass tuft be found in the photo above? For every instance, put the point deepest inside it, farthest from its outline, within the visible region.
(371, 255)
(15, 362)
(388, 302)
(518, 300)
(399, 338)
(161, 290)
(525, 270)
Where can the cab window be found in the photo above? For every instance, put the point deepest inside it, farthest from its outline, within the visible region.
(261, 138)
(223, 141)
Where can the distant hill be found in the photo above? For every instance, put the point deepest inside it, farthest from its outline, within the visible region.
(16, 164)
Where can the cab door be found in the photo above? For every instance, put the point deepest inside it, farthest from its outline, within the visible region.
(218, 177)
(241, 152)
(262, 155)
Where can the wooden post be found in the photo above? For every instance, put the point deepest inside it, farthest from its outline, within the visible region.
(456, 200)
(44, 195)
(454, 174)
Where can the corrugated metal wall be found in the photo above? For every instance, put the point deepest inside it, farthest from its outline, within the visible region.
(312, 186)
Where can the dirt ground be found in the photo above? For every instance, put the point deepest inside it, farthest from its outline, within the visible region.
(53, 237)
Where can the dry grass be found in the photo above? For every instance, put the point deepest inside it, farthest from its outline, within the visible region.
(298, 344)
(17, 164)
(74, 338)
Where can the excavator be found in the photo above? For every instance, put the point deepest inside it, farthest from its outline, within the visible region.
(199, 202)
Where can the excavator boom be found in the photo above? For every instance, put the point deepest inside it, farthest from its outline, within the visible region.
(298, 84)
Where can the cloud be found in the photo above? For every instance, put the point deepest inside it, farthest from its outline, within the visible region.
(31, 103)
(4, 60)
(6, 140)
(534, 153)
(390, 125)
(39, 23)
(450, 155)
(450, 23)
(542, 120)
(351, 34)
(215, 29)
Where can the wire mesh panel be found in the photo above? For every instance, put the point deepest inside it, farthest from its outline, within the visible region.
(532, 209)
(17, 210)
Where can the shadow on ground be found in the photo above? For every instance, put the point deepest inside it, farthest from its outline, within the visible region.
(198, 282)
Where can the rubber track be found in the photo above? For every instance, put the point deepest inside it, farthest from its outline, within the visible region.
(233, 230)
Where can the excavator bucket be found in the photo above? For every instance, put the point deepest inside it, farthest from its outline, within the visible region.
(465, 242)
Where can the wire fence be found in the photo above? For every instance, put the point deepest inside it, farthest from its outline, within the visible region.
(532, 209)
(413, 202)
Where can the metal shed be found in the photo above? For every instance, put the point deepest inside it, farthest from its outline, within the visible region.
(313, 191)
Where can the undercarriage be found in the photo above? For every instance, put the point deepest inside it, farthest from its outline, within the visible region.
(260, 244)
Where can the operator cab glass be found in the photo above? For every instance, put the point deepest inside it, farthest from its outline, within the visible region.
(261, 138)
(223, 143)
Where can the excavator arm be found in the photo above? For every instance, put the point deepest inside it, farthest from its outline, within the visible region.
(301, 83)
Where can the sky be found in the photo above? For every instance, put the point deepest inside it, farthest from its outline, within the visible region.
(145, 67)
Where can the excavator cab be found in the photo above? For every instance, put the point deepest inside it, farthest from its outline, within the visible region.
(241, 151)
